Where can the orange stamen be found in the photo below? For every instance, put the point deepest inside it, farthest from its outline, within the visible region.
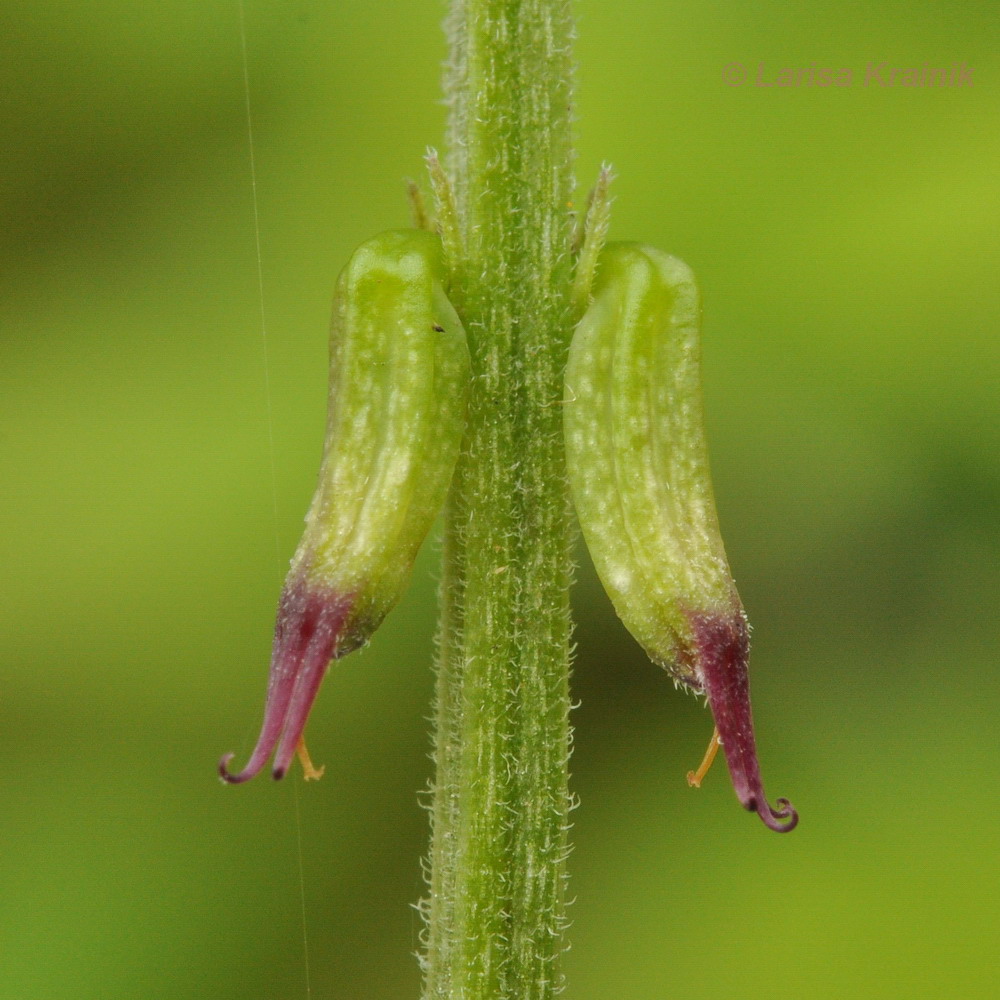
(695, 778)
(309, 772)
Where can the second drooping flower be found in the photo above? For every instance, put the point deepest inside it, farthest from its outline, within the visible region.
(639, 474)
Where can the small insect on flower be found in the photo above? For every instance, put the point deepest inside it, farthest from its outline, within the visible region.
(639, 475)
(399, 380)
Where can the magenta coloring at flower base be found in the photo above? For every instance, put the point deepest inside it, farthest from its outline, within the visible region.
(723, 649)
(310, 622)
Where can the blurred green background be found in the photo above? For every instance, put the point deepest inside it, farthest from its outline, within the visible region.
(847, 241)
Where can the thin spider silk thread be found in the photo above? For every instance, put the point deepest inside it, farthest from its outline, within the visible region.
(270, 437)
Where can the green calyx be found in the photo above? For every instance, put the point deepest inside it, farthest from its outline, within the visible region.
(399, 383)
(636, 452)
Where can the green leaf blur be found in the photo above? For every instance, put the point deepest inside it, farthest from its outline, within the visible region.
(847, 244)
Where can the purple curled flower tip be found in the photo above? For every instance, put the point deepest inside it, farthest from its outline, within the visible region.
(723, 650)
(309, 624)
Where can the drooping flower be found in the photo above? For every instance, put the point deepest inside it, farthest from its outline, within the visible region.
(399, 379)
(639, 474)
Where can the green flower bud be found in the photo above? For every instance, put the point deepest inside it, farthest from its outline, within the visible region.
(399, 381)
(639, 474)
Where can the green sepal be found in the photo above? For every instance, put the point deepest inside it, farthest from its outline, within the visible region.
(636, 452)
(399, 385)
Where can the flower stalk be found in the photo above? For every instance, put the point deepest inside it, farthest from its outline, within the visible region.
(496, 910)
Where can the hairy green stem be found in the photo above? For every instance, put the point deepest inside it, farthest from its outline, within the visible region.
(496, 909)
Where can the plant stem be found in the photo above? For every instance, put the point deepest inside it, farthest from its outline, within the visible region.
(496, 909)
